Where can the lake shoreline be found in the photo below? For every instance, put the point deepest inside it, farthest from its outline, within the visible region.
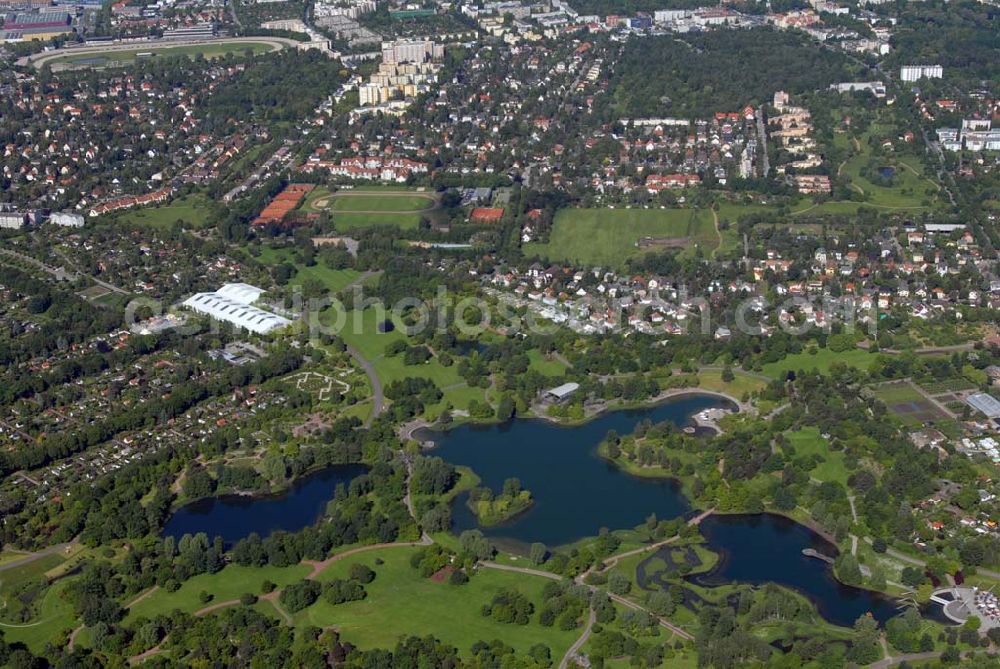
(263, 513)
(413, 429)
(275, 491)
(717, 576)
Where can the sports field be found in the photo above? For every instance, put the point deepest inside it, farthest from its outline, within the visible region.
(120, 58)
(610, 236)
(364, 207)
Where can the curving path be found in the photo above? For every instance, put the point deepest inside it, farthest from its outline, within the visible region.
(618, 598)
(319, 565)
(73, 636)
(378, 396)
(615, 559)
(578, 644)
(890, 660)
(145, 655)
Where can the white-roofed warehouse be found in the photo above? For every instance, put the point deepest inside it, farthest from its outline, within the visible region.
(985, 403)
(243, 293)
(231, 304)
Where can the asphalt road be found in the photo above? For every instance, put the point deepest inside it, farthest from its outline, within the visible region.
(32, 557)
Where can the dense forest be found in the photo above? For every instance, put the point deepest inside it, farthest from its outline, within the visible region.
(698, 75)
(963, 37)
(268, 94)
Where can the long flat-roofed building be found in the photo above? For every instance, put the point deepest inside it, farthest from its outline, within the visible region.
(232, 303)
(563, 392)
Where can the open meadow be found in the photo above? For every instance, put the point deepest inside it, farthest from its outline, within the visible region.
(334, 280)
(193, 211)
(400, 602)
(610, 236)
(362, 331)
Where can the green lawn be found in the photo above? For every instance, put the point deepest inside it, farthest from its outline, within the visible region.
(193, 211)
(809, 441)
(55, 619)
(910, 182)
(821, 360)
(711, 379)
(128, 56)
(345, 222)
(891, 393)
(906, 403)
(544, 365)
(9, 556)
(908, 191)
(53, 612)
(361, 331)
(609, 236)
(401, 603)
(364, 201)
(13, 578)
(228, 584)
(334, 279)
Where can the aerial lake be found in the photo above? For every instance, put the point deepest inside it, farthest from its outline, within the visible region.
(762, 548)
(576, 493)
(234, 517)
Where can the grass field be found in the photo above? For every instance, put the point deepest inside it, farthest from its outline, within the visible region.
(128, 56)
(610, 236)
(711, 379)
(908, 191)
(546, 366)
(54, 620)
(9, 556)
(365, 207)
(228, 584)
(906, 403)
(809, 441)
(53, 615)
(334, 279)
(910, 184)
(192, 211)
(14, 578)
(401, 603)
(821, 360)
(361, 331)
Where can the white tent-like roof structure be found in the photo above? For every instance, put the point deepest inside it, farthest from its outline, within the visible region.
(232, 304)
(243, 293)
